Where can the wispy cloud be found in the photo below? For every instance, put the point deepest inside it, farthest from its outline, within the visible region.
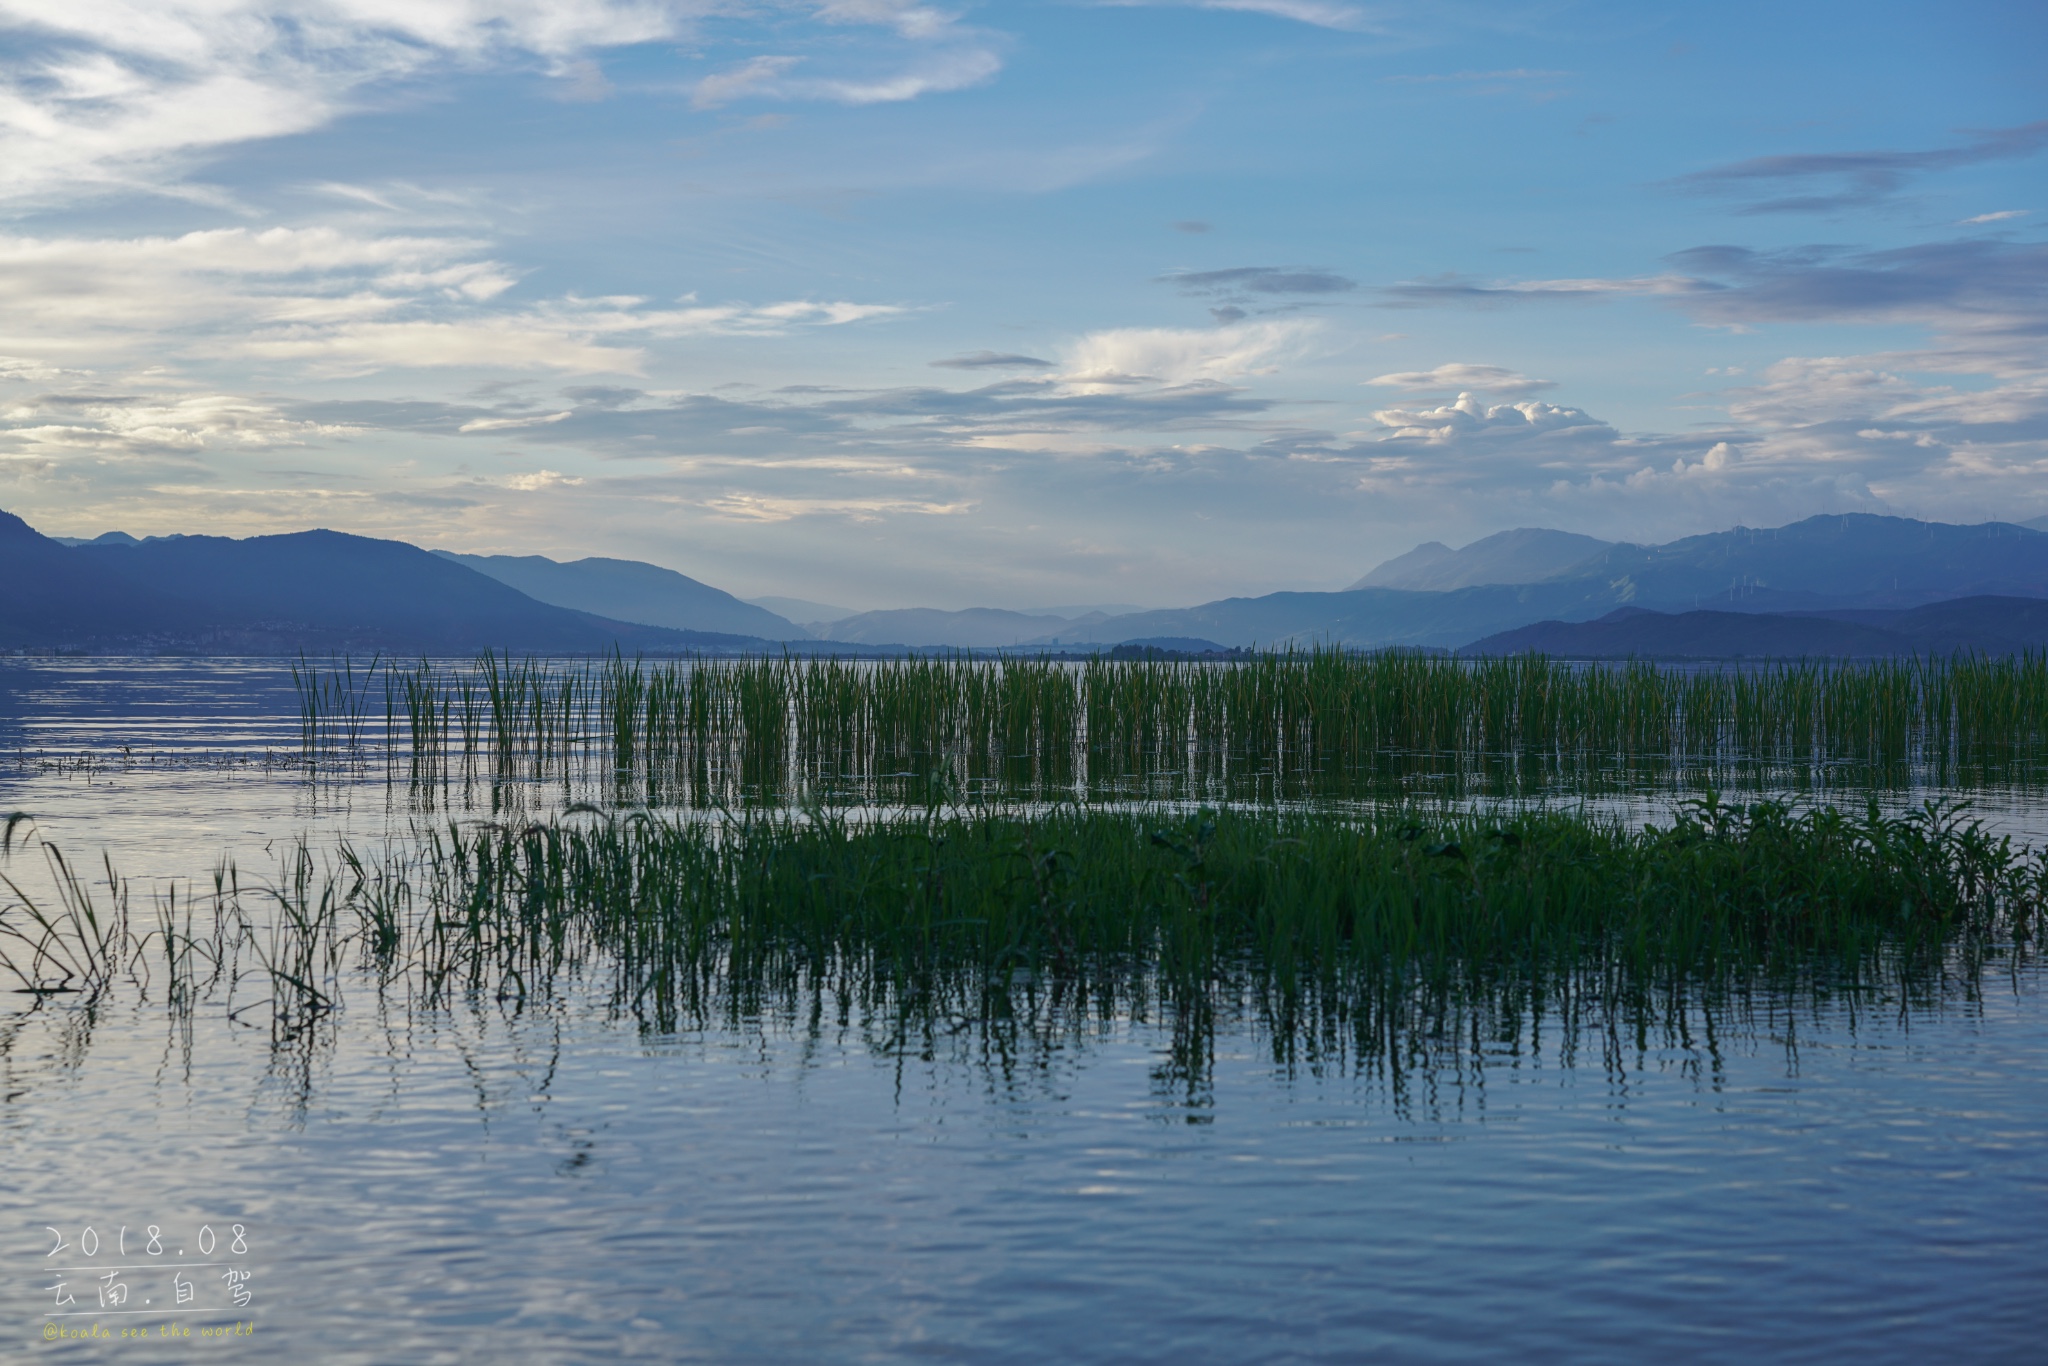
(1971, 285)
(1492, 379)
(756, 76)
(935, 53)
(1259, 280)
(992, 360)
(1176, 356)
(108, 94)
(1519, 73)
(1331, 14)
(1822, 182)
(1459, 289)
(340, 302)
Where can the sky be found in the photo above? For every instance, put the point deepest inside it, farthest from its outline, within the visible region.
(882, 303)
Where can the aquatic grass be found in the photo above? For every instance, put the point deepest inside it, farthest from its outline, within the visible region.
(1366, 936)
(1302, 725)
(1380, 919)
(68, 941)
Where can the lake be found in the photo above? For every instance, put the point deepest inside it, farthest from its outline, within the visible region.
(1810, 1177)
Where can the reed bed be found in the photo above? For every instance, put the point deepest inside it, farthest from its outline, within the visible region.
(1356, 936)
(1299, 724)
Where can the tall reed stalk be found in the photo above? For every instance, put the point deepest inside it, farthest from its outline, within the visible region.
(1300, 724)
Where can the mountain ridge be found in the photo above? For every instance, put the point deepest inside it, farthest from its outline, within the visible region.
(1982, 623)
(631, 591)
(316, 590)
(1524, 555)
(1834, 561)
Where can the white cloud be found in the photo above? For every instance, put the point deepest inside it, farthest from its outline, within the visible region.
(948, 71)
(756, 507)
(113, 93)
(541, 479)
(908, 18)
(1174, 356)
(1469, 417)
(757, 76)
(1458, 376)
(159, 424)
(1320, 13)
(2001, 216)
(955, 60)
(339, 302)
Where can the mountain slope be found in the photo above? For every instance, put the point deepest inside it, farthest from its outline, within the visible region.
(1822, 563)
(311, 590)
(631, 590)
(1363, 618)
(1525, 555)
(975, 628)
(1637, 632)
(1989, 625)
(55, 591)
(1852, 559)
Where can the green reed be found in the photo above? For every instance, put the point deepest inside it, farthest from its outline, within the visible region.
(1334, 934)
(1392, 916)
(1302, 724)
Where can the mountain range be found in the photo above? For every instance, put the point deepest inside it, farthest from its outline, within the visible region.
(629, 590)
(1994, 625)
(1855, 560)
(1848, 584)
(316, 591)
(1524, 555)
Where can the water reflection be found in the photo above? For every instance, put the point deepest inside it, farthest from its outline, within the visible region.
(170, 763)
(495, 1168)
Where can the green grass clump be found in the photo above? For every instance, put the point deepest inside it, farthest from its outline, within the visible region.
(1333, 933)
(1308, 724)
(1371, 921)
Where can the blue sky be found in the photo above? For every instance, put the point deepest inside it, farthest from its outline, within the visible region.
(891, 304)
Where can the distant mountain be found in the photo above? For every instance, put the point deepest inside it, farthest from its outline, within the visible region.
(1364, 618)
(312, 590)
(1170, 647)
(1989, 625)
(631, 590)
(1084, 612)
(1853, 561)
(1525, 555)
(975, 628)
(104, 538)
(802, 611)
(1640, 633)
(2036, 523)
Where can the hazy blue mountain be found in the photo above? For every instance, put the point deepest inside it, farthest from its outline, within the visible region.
(64, 595)
(312, 590)
(1084, 611)
(1364, 618)
(975, 628)
(631, 590)
(1989, 625)
(1854, 559)
(1821, 563)
(104, 538)
(2036, 523)
(804, 612)
(1525, 555)
(1637, 632)
(1167, 647)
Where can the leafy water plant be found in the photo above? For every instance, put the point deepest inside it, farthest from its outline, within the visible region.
(1376, 921)
(1352, 934)
(1301, 724)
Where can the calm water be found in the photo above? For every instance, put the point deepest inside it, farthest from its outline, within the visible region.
(487, 1184)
